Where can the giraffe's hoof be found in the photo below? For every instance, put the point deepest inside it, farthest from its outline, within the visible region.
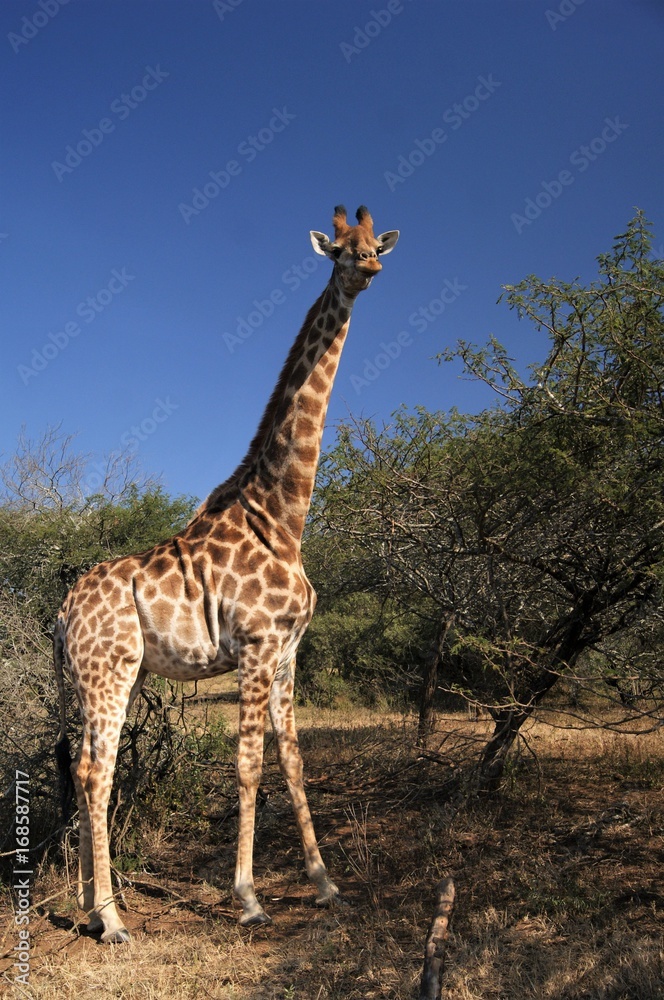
(329, 895)
(95, 924)
(119, 936)
(254, 919)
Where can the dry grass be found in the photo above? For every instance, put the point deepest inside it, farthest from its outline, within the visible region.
(559, 891)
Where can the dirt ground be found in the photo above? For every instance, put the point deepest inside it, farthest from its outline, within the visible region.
(559, 880)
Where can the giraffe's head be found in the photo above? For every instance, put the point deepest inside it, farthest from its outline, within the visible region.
(355, 249)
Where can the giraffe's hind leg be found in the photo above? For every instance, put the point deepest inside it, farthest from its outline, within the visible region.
(290, 761)
(85, 891)
(104, 711)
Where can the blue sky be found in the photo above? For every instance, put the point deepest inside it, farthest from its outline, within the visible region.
(453, 121)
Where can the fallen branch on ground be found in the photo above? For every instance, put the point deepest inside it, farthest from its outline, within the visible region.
(434, 955)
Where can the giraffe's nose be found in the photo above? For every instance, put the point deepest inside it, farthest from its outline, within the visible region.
(368, 262)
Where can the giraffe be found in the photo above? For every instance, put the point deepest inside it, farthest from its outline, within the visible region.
(228, 592)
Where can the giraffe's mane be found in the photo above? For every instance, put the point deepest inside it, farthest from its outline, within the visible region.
(227, 490)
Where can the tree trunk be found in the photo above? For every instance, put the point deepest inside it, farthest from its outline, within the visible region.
(505, 732)
(510, 720)
(430, 682)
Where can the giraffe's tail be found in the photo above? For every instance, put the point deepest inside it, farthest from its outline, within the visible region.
(62, 748)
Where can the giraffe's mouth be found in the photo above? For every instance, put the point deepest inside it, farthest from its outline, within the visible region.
(370, 267)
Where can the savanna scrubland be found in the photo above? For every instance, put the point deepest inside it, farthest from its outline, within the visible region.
(481, 694)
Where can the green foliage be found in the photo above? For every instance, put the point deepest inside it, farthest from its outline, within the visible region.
(503, 549)
(43, 552)
(171, 766)
(532, 532)
(360, 643)
(356, 647)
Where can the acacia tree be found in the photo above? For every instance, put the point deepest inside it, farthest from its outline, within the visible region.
(59, 516)
(533, 532)
(360, 644)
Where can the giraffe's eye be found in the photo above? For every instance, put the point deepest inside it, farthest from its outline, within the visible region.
(336, 251)
(379, 249)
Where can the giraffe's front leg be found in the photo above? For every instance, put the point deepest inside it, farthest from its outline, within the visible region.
(290, 761)
(254, 681)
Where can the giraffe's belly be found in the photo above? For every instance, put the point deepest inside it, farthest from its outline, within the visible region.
(181, 662)
(181, 637)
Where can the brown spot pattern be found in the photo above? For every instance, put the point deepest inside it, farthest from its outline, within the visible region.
(228, 591)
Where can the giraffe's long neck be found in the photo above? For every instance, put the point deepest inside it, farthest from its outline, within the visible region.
(280, 467)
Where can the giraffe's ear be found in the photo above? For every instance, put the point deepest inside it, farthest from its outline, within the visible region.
(321, 244)
(387, 241)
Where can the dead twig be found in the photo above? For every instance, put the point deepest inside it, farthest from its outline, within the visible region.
(163, 892)
(434, 954)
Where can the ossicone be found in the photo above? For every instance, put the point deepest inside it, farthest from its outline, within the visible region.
(339, 220)
(364, 219)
